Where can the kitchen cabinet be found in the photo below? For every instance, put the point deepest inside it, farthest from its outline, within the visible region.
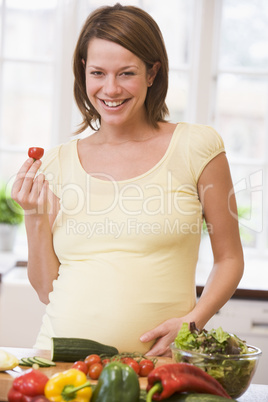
(248, 319)
(20, 310)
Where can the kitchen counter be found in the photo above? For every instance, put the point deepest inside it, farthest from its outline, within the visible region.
(253, 284)
(252, 294)
(255, 393)
(6, 379)
(9, 262)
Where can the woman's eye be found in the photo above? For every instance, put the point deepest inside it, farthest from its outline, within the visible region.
(96, 73)
(127, 73)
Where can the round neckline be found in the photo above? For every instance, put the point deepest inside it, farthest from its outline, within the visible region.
(135, 178)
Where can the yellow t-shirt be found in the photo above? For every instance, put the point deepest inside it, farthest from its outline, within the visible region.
(128, 249)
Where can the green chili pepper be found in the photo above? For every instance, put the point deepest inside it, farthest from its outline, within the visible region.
(117, 382)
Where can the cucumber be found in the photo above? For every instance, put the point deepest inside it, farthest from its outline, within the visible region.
(193, 397)
(73, 349)
(24, 362)
(31, 360)
(41, 361)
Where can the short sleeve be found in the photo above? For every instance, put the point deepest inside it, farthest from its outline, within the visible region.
(51, 169)
(204, 144)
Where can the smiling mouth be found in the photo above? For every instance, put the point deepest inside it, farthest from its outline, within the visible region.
(114, 103)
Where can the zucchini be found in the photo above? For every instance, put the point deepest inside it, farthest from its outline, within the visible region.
(73, 349)
(194, 397)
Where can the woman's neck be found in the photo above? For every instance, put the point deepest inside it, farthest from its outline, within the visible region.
(137, 132)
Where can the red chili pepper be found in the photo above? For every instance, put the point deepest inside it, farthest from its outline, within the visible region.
(168, 379)
(27, 386)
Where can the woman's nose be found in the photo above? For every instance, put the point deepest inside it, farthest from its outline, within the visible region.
(111, 86)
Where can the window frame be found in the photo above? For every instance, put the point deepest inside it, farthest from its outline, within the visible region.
(261, 249)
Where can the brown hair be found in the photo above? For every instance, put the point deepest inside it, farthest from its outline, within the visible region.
(135, 30)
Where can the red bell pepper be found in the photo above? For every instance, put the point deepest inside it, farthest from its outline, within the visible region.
(169, 379)
(27, 386)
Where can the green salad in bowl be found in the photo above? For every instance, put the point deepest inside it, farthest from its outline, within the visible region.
(224, 356)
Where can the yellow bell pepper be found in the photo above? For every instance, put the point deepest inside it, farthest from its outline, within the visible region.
(7, 361)
(69, 385)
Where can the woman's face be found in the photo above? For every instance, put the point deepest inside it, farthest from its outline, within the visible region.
(116, 82)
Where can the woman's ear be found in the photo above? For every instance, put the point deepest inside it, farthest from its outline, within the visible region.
(153, 72)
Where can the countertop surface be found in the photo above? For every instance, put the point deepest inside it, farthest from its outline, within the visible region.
(255, 393)
(247, 289)
(6, 379)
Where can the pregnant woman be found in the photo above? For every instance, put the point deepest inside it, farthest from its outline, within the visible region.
(114, 218)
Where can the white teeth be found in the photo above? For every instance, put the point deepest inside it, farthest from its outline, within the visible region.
(113, 104)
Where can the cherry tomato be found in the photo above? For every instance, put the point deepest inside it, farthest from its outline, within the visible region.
(105, 361)
(132, 363)
(146, 366)
(92, 359)
(80, 365)
(35, 153)
(95, 370)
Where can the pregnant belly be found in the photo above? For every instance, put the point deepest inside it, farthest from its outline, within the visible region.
(110, 311)
(117, 324)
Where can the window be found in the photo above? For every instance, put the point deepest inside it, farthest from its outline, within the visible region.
(27, 76)
(218, 75)
(241, 105)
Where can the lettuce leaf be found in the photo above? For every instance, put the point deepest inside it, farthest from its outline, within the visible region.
(185, 339)
(220, 335)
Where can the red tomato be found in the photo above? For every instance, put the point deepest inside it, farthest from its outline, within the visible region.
(146, 366)
(80, 365)
(105, 361)
(35, 153)
(92, 359)
(132, 363)
(95, 370)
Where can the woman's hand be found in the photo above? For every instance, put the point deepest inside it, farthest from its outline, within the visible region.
(164, 334)
(31, 191)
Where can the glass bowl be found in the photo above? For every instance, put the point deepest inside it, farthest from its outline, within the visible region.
(234, 372)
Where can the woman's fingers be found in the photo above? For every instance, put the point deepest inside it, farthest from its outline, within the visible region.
(29, 177)
(39, 194)
(20, 177)
(25, 176)
(163, 335)
(28, 187)
(161, 348)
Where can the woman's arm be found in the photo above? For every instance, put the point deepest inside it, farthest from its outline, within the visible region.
(40, 207)
(219, 205)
